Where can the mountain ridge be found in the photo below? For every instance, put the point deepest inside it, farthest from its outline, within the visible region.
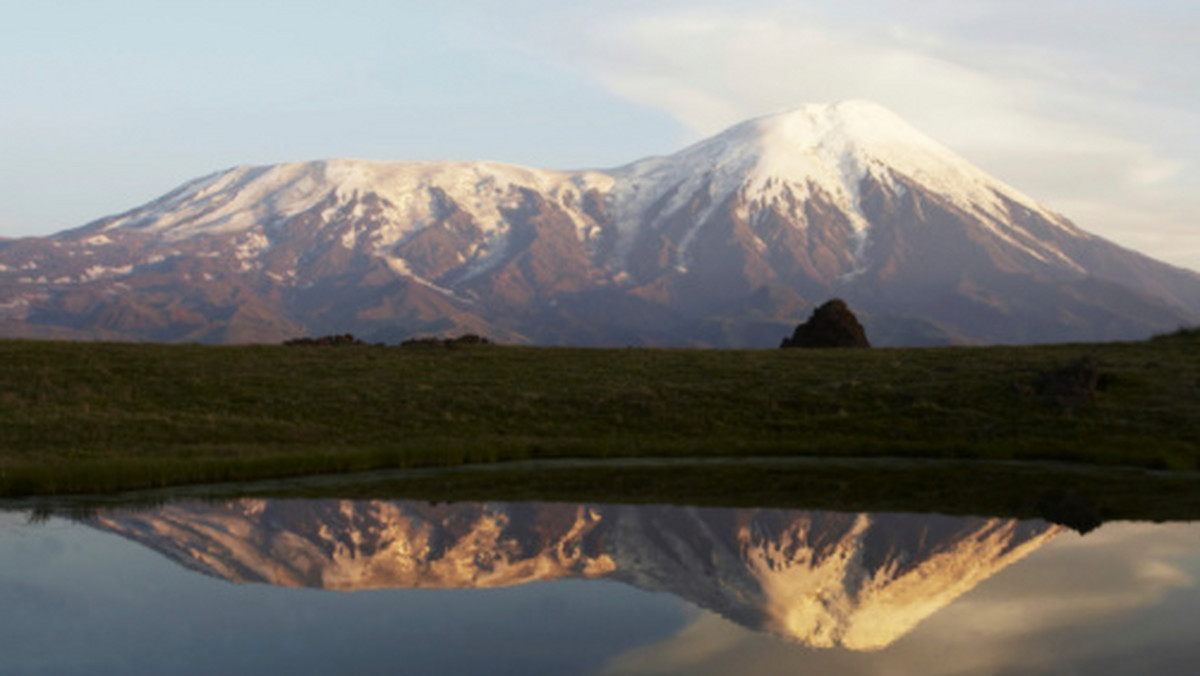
(725, 243)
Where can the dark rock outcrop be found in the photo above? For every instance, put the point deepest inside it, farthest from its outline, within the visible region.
(1072, 510)
(831, 325)
(325, 341)
(465, 339)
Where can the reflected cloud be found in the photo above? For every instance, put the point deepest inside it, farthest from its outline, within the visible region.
(1085, 604)
(822, 579)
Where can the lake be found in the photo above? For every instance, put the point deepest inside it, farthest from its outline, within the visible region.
(294, 586)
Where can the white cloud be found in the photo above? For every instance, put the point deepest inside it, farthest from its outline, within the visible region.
(1073, 128)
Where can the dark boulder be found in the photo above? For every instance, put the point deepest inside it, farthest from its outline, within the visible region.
(831, 325)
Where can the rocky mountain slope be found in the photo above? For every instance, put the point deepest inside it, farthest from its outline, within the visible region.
(860, 581)
(726, 243)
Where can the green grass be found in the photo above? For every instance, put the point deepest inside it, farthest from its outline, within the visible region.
(96, 417)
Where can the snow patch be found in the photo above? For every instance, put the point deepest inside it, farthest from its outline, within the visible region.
(400, 266)
(100, 271)
(15, 308)
(485, 255)
(251, 245)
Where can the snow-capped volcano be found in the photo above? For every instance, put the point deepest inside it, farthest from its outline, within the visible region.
(818, 150)
(829, 154)
(727, 242)
(825, 579)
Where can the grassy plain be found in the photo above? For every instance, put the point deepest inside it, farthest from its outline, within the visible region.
(102, 417)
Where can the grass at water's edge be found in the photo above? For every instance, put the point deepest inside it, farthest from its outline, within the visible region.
(94, 417)
(1081, 497)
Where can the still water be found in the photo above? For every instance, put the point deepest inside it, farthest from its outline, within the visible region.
(393, 587)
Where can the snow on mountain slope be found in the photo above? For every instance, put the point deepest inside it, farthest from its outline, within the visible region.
(243, 197)
(859, 581)
(828, 149)
(822, 150)
(842, 601)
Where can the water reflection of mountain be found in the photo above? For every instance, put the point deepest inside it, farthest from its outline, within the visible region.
(860, 581)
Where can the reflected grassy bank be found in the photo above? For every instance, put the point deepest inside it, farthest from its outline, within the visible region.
(1079, 497)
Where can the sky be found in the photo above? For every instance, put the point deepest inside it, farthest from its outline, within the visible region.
(1090, 106)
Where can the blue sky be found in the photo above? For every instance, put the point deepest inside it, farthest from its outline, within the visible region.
(1091, 106)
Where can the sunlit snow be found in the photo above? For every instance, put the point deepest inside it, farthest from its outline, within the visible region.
(774, 162)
